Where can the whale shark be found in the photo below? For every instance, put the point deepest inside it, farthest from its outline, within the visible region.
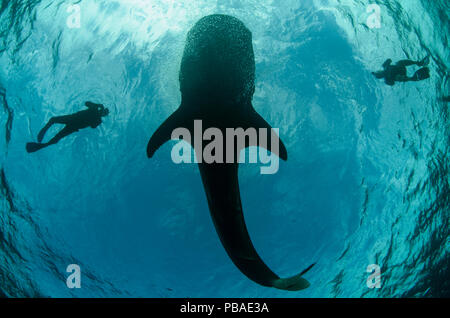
(217, 83)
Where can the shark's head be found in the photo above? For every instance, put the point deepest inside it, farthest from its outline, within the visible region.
(218, 63)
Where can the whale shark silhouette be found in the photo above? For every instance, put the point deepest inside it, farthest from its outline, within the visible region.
(217, 83)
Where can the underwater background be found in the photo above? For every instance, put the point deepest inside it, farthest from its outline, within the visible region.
(366, 181)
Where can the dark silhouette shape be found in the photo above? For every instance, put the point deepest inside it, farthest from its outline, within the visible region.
(397, 72)
(91, 117)
(217, 83)
(445, 98)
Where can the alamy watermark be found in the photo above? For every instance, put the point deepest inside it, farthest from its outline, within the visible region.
(74, 19)
(234, 139)
(374, 19)
(374, 279)
(74, 279)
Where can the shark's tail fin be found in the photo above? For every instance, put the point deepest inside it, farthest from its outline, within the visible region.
(293, 283)
(222, 191)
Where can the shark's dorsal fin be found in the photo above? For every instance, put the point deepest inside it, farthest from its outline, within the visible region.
(164, 133)
(254, 120)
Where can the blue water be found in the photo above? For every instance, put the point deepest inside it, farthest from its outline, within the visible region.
(366, 181)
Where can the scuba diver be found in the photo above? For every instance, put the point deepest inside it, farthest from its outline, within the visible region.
(91, 117)
(397, 72)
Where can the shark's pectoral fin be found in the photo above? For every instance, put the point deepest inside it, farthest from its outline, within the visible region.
(164, 133)
(272, 141)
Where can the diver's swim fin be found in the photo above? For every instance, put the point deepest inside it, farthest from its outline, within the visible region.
(421, 74)
(41, 134)
(425, 61)
(34, 146)
(44, 130)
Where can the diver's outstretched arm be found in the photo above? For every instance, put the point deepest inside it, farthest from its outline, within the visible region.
(379, 74)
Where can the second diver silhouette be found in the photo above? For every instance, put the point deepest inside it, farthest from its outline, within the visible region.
(217, 83)
(397, 72)
(91, 117)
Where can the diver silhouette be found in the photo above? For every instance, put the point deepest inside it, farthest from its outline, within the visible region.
(397, 72)
(91, 117)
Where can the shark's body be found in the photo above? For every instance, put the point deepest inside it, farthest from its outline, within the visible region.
(217, 82)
